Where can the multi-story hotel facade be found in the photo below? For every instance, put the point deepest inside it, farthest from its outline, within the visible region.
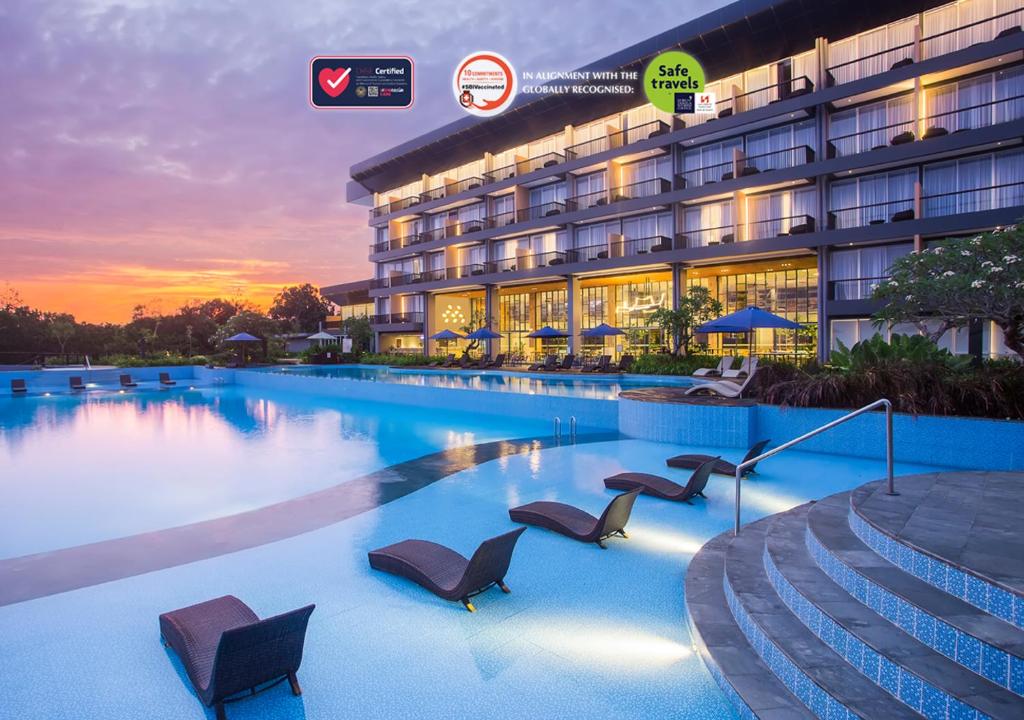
(846, 134)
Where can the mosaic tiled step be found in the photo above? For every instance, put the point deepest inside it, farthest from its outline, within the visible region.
(927, 681)
(958, 532)
(956, 629)
(808, 667)
(754, 691)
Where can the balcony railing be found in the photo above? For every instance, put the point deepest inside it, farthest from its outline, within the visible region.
(642, 189)
(973, 33)
(397, 318)
(778, 227)
(586, 201)
(529, 262)
(897, 133)
(536, 212)
(974, 116)
(854, 288)
(628, 247)
(867, 65)
(871, 214)
(501, 219)
(394, 206)
(549, 159)
(617, 139)
(974, 200)
(776, 92)
(465, 271)
(704, 237)
(454, 188)
(749, 165)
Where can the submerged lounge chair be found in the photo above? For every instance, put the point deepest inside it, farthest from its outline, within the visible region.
(18, 387)
(75, 382)
(578, 524)
(724, 364)
(126, 381)
(663, 487)
(722, 467)
(165, 380)
(446, 573)
(226, 649)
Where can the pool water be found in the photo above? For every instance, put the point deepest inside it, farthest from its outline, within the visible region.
(106, 465)
(551, 383)
(585, 632)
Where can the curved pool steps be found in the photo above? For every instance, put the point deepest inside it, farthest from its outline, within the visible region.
(871, 643)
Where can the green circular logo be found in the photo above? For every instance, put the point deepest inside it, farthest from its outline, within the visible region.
(670, 74)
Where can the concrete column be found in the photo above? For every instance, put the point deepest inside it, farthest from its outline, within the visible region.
(574, 311)
(429, 345)
(491, 318)
(678, 283)
(824, 334)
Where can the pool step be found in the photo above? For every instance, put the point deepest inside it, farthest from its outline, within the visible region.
(812, 670)
(949, 625)
(734, 664)
(929, 682)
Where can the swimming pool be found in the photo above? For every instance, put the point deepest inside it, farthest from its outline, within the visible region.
(584, 632)
(605, 387)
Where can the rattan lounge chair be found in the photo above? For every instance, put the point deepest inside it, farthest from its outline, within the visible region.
(578, 524)
(599, 365)
(448, 362)
(724, 364)
(226, 649)
(624, 364)
(567, 362)
(722, 467)
(165, 380)
(75, 383)
(18, 387)
(126, 381)
(446, 573)
(663, 487)
(550, 363)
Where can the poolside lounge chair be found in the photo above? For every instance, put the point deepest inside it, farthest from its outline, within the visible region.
(126, 381)
(601, 364)
(724, 364)
(663, 487)
(165, 380)
(226, 649)
(448, 362)
(550, 363)
(567, 362)
(624, 364)
(722, 467)
(747, 367)
(18, 387)
(578, 524)
(494, 364)
(721, 388)
(446, 573)
(75, 382)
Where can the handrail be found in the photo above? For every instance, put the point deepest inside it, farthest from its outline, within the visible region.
(883, 402)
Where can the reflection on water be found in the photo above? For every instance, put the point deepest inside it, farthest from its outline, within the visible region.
(600, 387)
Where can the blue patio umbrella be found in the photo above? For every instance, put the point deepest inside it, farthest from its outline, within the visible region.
(484, 333)
(602, 330)
(746, 321)
(243, 337)
(446, 335)
(548, 332)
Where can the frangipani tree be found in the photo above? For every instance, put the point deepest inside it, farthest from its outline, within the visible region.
(959, 280)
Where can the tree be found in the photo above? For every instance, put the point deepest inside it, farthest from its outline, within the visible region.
(696, 307)
(255, 324)
(358, 328)
(62, 328)
(476, 321)
(959, 280)
(302, 306)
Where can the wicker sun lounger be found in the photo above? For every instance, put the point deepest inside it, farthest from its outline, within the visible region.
(663, 487)
(578, 524)
(165, 380)
(18, 387)
(126, 381)
(445, 572)
(75, 382)
(722, 467)
(550, 363)
(226, 649)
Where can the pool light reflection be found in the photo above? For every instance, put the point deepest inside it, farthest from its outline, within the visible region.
(626, 647)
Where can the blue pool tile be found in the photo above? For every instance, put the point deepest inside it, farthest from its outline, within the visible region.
(906, 559)
(874, 597)
(1017, 674)
(921, 565)
(933, 703)
(889, 676)
(870, 664)
(995, 665)
(1018, 611)
(828, 630)
(968, 652)
(945, 639)
(1000, 603)
(977, 592)
(890, 606)
(924, 629)
(818, 703)
(910, 689)
(836, 711)
(961, 711)
(905, 616)
(937, 573)
(955, 582)
(855, 652)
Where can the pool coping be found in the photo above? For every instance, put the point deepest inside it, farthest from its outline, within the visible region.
(29, 577)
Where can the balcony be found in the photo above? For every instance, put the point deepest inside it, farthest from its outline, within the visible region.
(397, 318)
(897, 133)
(454, 188)
(546, 160)
(537, 212)
(705, 237)
(628, 247)
(528, 262)
(642, 189)
(762, 97)
(879, 213)
(394, 206)
(778, 227)
(854, 288)
(873, 64)
(959, 202)
(974, 117)
(598, 198)
(617, 139)
(748, 165)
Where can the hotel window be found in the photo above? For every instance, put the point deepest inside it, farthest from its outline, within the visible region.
(780, 147)
(871, 52)
(553, 193)
(593, 306)
(643, 117)
(551, 144)
(708, 163)
(503, 164)
(646, 170)
(643, 232)
(380, 236)
(869, 126)
(782, 213)
(855, 330)
(470, 217)
(590, 190)
(872, 199)
(635, 302)
(470, 170)
(854, 273)
(514, 323)
(592, 240)
(961, 24)
(974, 184)
(592, 137)
(976, 102)
(435, 261)
(757, 94)
(503, 209)
(709, 224)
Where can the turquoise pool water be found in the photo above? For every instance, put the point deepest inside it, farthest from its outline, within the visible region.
(585, 632)
(605, 387)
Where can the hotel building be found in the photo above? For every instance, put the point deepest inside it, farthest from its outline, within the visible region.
(846, 134)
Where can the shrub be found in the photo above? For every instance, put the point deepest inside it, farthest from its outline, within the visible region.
(876, 352)
(661, 364)
(327, 354)
(397, 360)
(163, 359)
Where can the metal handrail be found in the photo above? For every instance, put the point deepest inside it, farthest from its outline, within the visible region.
(891, 490)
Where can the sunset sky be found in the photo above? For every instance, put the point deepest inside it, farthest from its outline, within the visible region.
(156, 151)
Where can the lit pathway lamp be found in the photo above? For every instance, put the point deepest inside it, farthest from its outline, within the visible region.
(747, 321)
(240, 340)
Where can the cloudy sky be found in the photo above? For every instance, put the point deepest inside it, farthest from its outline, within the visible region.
(155, 151)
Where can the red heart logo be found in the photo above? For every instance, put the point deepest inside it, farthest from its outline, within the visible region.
(333, 82)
